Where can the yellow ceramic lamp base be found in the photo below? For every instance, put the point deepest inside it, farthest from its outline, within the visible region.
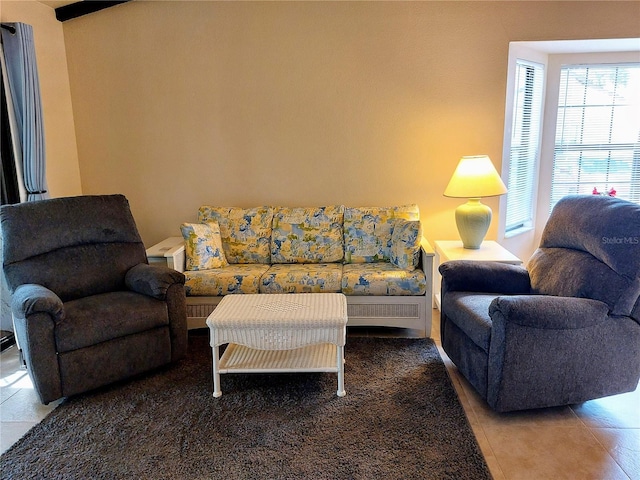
(473, 219)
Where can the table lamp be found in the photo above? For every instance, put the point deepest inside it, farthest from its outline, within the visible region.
(475, 177)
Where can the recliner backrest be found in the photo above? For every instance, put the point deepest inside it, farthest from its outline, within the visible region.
(590, 248)
(74, 246)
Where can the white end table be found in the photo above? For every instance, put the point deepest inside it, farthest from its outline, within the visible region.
(446, 250)
(169, 253)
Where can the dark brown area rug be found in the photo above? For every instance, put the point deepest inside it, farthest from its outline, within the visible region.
(400, 419)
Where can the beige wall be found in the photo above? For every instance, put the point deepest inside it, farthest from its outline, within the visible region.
(63, 173)
(178, 104)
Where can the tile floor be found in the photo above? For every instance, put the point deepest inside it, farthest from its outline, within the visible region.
(597, 440)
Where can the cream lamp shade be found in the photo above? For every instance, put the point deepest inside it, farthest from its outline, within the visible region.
(475, 177)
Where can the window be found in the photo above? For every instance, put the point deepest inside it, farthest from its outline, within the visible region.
(597, 139)
(524, 145)
(582, 133)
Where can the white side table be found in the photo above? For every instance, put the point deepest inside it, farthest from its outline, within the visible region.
(446, 250)
(169, 252)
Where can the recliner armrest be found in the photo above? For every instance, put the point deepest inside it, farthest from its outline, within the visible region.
(152, 280)
(548, 350)
(549, 312)
(484, 277)
(31, 298)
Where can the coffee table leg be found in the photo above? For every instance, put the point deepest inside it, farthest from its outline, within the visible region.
(216, 373)
(340, 364)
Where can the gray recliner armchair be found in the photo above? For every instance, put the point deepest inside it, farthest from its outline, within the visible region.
(88, 310)
(564, 330)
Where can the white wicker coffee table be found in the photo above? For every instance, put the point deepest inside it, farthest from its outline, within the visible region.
(278, 333)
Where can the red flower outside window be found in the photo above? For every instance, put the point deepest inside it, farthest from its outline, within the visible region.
(611, 193)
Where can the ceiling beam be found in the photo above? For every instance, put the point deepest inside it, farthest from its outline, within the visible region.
(84, 7)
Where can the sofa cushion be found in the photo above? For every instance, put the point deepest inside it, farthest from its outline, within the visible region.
(302, 278)
(100, 318)
(203, 246)
(245, 232)
(239, 278)
(405, 244)
(368, 230)
(307, 235)
(381, 279)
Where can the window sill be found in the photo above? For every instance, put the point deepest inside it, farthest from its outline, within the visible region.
(518, 231)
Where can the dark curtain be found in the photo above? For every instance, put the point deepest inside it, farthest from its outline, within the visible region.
(9, 176)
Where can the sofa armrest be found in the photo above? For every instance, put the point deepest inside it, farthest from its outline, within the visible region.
(484, 277)
(179, 258)
(29, 299)
(426, 248)
(152, 280)
(427, 255)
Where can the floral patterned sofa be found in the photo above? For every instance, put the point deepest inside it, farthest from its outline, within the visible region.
(376, 256)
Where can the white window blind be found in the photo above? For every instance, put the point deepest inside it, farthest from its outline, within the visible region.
(597, 142)
(525, 144)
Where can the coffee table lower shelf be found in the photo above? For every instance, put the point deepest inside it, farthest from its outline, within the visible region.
(323, 357)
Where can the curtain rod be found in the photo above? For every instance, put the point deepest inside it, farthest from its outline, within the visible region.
(9, 27)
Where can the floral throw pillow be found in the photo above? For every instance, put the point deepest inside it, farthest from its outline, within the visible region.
(405, 244)
(203, 246)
